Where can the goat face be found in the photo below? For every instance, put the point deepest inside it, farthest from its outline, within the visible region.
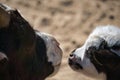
(99, 56)
(53, 51)
(26, 53)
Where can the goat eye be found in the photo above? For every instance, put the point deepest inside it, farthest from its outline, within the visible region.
(90, 51)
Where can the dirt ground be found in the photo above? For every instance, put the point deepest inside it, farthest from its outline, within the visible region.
(70, 21)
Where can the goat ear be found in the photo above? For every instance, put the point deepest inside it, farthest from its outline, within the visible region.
(116, 51)
(4, 15)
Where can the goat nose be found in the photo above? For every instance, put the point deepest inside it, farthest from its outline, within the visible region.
(72, 56)
(72, 59)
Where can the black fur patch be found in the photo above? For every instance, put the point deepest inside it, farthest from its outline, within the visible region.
(110, 62)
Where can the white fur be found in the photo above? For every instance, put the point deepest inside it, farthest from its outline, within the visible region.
(5, 7)
(2, 56)
(110, 34)
(54, 53)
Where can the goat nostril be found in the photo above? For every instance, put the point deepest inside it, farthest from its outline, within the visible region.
(71, 55)
(72, 58)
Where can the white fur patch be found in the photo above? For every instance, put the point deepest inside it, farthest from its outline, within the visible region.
(2, 56)
(54, 52)
(5, 7)
(110, 34)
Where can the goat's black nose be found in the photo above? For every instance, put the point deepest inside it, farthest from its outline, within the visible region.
(72, 59)
(71, 55)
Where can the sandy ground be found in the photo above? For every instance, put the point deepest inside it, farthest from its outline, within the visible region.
(70, 21)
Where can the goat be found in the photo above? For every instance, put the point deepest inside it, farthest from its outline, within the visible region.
(25, 54)
(99, 57)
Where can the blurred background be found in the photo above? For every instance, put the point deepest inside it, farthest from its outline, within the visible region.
(69, 21)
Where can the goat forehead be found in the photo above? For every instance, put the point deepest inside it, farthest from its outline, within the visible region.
(108, 33)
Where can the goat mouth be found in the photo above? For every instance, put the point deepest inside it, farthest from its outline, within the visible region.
(75, 66)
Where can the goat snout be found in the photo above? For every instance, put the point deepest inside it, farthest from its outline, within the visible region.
(73, 57)
(74, 62)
